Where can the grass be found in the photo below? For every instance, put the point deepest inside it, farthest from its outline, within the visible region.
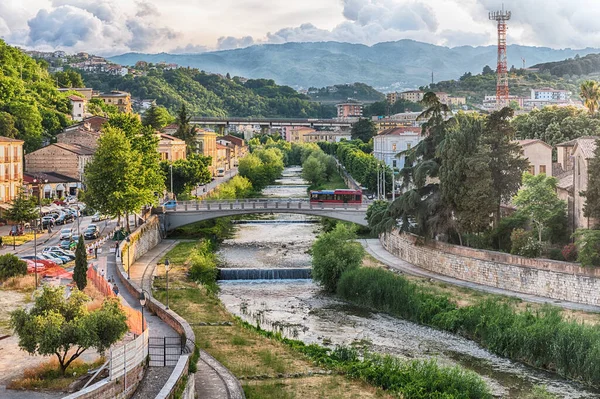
(47, 375)
(24, 284)
(180, 254)
(336, 182)
(19, 240)
(247, 353)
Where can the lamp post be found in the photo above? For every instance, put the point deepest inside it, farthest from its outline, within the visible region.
(143, 299)
(171, 167)
(128, 258)
(37, 181)
(167, 264)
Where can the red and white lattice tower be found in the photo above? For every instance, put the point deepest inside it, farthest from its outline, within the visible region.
(502, 70)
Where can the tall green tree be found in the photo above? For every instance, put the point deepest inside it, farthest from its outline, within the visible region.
(61, 326)
(113, 176)
(363, 130)
(22, 210)
(538, 200)
(334, 253)
(185, 130)
(157, 117)
(187, 173)
(590, 93)
(81, 265)
(591, 208)
(505, 161)
(7, 125)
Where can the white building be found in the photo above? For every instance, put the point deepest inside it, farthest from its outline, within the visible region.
(548, 94)
(77, 108)
(390, 142)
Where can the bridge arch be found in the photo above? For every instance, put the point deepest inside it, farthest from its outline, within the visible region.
(197, 211)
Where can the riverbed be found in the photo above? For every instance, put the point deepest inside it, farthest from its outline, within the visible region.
(300, 310)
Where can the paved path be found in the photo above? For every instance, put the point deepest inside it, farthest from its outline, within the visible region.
(375, 249)
(203, 191)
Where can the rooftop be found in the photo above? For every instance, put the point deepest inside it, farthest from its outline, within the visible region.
(587, 146)
(398, 131)
(524, 143)
(52, 177)
(75, 148)
(10, 140)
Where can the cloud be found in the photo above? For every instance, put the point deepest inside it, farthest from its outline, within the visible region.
(230, 42)
(189, 49)
(146, 9)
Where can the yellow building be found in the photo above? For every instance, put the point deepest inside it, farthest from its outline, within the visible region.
(120, 99)
(297, 134)
(170, 148)
(392, 98)
(11, 168)
(206, 144)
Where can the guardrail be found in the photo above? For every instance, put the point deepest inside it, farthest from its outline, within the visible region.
(270, 204)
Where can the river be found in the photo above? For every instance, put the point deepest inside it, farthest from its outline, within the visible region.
(300, 310)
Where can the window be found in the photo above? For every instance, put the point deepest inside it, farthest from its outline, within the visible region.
(543, 169)
(394, 147)
(532, 169)
(394, 163)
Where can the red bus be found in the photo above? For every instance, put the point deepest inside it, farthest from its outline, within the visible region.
(343, 196)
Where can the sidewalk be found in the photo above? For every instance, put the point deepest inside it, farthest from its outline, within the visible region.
(375, 249)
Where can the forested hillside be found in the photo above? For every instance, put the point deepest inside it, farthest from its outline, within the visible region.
(357, 91)
(31, 108)
(476, 87)
(213, 95)
(588, 65)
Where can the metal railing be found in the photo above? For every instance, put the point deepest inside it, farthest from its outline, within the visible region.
(263, 203)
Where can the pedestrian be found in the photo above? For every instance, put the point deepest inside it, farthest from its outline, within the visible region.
(117, 248)
(116, 290)
(96, 251)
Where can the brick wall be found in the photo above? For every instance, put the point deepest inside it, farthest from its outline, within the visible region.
(551, 279)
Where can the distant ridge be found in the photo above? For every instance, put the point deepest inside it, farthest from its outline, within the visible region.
(393, 65)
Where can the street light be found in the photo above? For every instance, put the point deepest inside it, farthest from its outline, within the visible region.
(167, 264)
(38, 182)
(171, 166)
(128, 258)
(143, 300)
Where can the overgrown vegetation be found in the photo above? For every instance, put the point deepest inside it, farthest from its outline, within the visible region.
(262, 167)
(541, 338)
(203, 265)
(11, 266)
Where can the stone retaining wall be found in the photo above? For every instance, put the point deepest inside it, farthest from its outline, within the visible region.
(106, 389)
(551, 279)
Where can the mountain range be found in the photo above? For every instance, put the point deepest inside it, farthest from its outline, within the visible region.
(403, 64)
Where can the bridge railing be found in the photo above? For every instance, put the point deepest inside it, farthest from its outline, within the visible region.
(262, 203)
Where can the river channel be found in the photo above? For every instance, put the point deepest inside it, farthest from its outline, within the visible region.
(300, 310)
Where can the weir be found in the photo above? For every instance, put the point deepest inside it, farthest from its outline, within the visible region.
(301, 273)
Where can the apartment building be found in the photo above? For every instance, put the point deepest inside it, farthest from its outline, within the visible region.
(120, 99)
(11, 168)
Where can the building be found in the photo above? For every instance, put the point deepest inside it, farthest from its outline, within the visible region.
(583, 151)
(171, 148)
(120, 99)
(82, 136)
(391, 98)
(296, 134)
(170, 129)
(11, 168)
(456, 101)
(238, 147)
(390, 142)
(78, 108)
(327, 136)
(224, 157)
(65, 159)
(404, 119)
(54, 185)
(206, 144)
(350, 109)
(412, 95)
(539, 155)
(86, 92)
(549, 94)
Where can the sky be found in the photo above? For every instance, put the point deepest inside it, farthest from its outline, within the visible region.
(109, 27)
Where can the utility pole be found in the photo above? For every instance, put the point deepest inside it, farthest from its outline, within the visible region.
(378, 183)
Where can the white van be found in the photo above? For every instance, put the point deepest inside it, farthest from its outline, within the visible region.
(220, 172)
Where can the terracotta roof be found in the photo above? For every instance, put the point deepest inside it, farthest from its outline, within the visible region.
(10, 140)
(397, 131)
(74, 148)
(76, 98)
(572, 143)
(234, 140)
(221, 147)
(168, 137)
(587, 145)
(527, 142)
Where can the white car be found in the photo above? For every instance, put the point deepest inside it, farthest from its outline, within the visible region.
(71, 199)
(66, 234)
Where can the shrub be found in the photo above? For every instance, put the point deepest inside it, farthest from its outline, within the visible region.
(204, 265)
(588, 247)
(11, 266)
(333, 253)
(524, 244)
(569, 252)
(555, 254)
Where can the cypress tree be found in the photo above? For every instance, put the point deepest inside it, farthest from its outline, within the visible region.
(80, 271)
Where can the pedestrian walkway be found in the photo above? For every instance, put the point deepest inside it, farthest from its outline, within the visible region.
(376, 250)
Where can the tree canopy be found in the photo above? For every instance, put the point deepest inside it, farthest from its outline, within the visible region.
(22, 210)
(591, 207)
(61, 326)
(364, 130)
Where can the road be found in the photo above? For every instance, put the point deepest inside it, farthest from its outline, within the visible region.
(202, 191)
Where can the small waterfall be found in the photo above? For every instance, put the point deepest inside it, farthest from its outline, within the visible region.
(265, 274)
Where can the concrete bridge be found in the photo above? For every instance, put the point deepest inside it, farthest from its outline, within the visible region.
(272, 122)
(188, 212)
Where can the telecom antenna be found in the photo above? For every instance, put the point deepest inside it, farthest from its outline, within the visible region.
(502, 70)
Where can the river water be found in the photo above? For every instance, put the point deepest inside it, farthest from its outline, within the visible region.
(300, 310)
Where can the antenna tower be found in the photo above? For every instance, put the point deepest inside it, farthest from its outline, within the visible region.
(502, 70)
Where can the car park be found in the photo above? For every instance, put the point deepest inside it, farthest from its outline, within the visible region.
(52, 257)
(40, 259)
(65, 244)
(66, 234)
(66, 253)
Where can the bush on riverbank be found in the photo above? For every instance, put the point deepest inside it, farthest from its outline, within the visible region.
(262, 167)
(203, 265)
(333, 253)
(417, 379)
(540, 338)
(236, 188)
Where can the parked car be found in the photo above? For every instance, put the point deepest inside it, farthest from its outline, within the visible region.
(91, 234)
(47, 221)
(66, 234)
(52, 257)
(98, 217)
(54, 248)
(64, 244)
(64, 253)
(70, 199)
(40, 259)
(171, 204)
